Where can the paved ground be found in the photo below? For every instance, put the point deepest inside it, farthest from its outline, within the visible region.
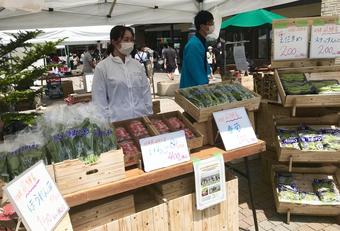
(264, 203)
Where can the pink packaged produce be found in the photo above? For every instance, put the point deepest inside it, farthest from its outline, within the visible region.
(175, 123)
(122, 134)
(188, 133)
(160, 126)
(137, 129)
(129, 148)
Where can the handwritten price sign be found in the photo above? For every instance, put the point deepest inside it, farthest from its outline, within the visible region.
(36, 199)
(164, 150)
(235, 128)
(325, 41)
(291, 43)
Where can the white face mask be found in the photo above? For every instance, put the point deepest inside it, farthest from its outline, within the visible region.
(126, 48)
(211, 29)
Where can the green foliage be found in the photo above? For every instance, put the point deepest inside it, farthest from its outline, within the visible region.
(17, 73)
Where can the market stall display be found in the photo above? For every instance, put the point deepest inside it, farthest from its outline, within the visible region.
(312, 191)
(306, 139)
(201, 101)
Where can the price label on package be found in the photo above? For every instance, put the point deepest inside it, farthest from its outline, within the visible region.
(164, 150)
(36, 199)
(235, 128)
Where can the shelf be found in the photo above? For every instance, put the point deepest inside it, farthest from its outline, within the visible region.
(136, 178)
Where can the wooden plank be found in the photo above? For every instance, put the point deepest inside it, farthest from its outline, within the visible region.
(65, 224)
(188, 212)
(196, 215)
(232, 203)
(137, 221)
(125, 224)
(147, 216)
(160, 217)
(176, 211)
(136, 178)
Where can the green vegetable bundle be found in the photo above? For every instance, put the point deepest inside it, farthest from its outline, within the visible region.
(288, 138)
(325, 189)
(3, 166)
(214, 94)
(331, 139)
(326, 86)
(310, 139)
(24, 157)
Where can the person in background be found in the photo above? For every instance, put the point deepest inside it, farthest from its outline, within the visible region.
(195, 69)
(120, 86)
(211, 61)
(170, 61)
(88, 62)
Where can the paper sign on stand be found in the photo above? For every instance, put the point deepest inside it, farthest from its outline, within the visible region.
(235, 128)
(36, 199)
(164, 150)
(209, 181)
(325, 41)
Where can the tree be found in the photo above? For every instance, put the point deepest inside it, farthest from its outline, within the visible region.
(17, 73)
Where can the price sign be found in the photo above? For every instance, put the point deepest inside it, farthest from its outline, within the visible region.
(291, 43)
(325, 41)
(37, 199)
(164, 150)
(235, 128)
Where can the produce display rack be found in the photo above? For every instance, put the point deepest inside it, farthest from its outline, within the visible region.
(306, 209)
(203, 114)
(310, 100)
(315, 112)
(294, 155)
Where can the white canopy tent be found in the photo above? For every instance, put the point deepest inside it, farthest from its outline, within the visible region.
(64, 13)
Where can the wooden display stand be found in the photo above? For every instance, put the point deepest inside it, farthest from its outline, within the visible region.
(289, 55)
(181, 214)
(294, 155)
(306, 209)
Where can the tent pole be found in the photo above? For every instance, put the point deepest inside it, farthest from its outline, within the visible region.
(111, 9)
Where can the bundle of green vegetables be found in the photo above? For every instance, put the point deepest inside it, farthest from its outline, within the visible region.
(288, 138)
(310, 139)
(287, 188)
(214, 94)
(331, 138)
(326, 86)
(296, 84)
(326, 190)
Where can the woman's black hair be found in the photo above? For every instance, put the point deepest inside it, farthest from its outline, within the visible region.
(202, 18)
(116, 34)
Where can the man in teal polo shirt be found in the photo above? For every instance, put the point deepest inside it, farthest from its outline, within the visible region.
(195, 68)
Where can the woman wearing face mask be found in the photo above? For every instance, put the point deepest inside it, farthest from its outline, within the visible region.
(195, 69)
(120, 86)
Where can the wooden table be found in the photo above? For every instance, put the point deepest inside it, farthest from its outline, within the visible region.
(136, 178)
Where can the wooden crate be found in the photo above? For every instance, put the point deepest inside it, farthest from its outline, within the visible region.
(208, 129)
(181, 214)
(65, 224)
(264, 85)
(306, 209)
(295, 155)
(98, 213)
(135, 160)
(310, 100)
(203, 114)
(73, 175)
(193, 143)
(173, 188)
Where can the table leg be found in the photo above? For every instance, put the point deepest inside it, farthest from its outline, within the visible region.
(251, 193)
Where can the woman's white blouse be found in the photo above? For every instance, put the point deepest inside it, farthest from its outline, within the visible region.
(121, 89)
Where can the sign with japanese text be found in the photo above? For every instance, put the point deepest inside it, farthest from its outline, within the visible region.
(37, 199)
(164, 150)
(325, 41)
(209, 181)
(235, 128)
(291, 43)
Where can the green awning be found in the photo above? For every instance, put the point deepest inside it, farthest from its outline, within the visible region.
(251, 19)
